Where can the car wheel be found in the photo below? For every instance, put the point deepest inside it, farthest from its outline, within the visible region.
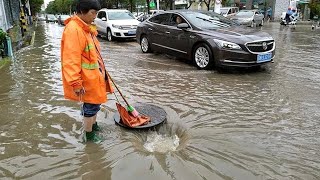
(202, 56)
(252, 24)
(262, 22)
(109, 35)
(145, 45)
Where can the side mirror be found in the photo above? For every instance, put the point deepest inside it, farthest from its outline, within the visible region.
(104, 19)
(183, 26)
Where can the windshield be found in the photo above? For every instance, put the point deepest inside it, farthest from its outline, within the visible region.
(64, 16)
(51, 16)
(224, 11)
(245, 14)
(120, 15)
(208, 20)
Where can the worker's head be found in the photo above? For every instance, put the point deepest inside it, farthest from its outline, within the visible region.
(289, 8)
(87, 10)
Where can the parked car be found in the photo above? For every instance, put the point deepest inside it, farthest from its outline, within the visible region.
(229, 11)
(62, 18)
(206, 38)
(146, 16)
(137, 14)
(51, 18)
(41, 17)
(249, 17)
(116, 23)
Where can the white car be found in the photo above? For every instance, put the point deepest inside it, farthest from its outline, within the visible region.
(116, 23)
(249, 17)
(229, 11)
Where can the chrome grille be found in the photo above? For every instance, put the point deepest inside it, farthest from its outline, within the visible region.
(128, 27)
(262, 46)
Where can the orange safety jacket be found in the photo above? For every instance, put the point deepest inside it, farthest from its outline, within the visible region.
(82, 66)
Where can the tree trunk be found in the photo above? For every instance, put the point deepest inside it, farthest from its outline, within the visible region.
(148, 6)
(190, 4)
(131, 5)
(249, 4)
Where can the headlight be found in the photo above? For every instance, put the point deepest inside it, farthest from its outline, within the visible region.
(226, 44)
(116, 26)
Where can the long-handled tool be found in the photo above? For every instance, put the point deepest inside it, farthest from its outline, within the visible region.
(130, 108)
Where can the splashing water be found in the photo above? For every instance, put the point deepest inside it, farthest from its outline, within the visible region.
(161, 143)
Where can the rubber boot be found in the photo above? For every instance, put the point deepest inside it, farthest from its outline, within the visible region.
(95, 127)
(92, 136)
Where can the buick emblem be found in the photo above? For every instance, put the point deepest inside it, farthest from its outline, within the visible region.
(264, 46)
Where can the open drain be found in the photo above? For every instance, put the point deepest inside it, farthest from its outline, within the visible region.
(161, 143)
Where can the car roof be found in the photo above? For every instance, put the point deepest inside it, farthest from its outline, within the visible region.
(249, 10)
(182, 11)
(105, 9)
(228, 7)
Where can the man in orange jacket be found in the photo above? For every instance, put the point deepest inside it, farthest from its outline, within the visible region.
(83, 71)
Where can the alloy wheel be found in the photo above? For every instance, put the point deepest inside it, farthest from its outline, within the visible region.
(144, 44)
(252, 24)
(109, 35)
(202, 57)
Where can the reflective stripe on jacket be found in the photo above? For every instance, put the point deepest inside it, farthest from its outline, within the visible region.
(80, 66)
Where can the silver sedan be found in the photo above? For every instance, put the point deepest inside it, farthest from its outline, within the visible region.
(249, 18)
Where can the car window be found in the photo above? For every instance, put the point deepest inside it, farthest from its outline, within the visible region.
(102, 14)
(176, 19)
(120, 15)
(208, 20)
(245, 14)
(229, 12)
(161, 19)
(223, 11)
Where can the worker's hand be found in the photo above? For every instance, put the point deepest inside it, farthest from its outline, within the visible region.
(79, 92)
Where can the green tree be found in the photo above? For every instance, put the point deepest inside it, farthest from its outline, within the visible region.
(51, 8)
(315, 8)
(60, 7)
(35, 5)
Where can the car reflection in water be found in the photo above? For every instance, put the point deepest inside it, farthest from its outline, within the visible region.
(208, 39)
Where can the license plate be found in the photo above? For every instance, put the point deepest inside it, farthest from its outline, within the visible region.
(132, 32)
(264, 57)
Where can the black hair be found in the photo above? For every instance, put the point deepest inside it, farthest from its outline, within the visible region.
(83, 6)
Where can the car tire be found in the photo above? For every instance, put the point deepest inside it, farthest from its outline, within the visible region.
(262, 22)
(203, 57)
(144, 44)
(109, 35)
(252, 24)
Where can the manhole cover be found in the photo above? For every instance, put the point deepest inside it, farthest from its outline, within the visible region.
(157, 114)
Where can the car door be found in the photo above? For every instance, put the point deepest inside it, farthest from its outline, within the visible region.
(177, 40)
(157, 31)
(99, 22)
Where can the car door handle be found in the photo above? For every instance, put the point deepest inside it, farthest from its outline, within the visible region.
(150, 29)
(167, 32)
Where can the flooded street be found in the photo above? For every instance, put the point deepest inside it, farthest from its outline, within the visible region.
(220, 125)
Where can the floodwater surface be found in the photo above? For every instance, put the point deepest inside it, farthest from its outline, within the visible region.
(246, 125)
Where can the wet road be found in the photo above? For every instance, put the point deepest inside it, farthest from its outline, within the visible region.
(221, 125)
